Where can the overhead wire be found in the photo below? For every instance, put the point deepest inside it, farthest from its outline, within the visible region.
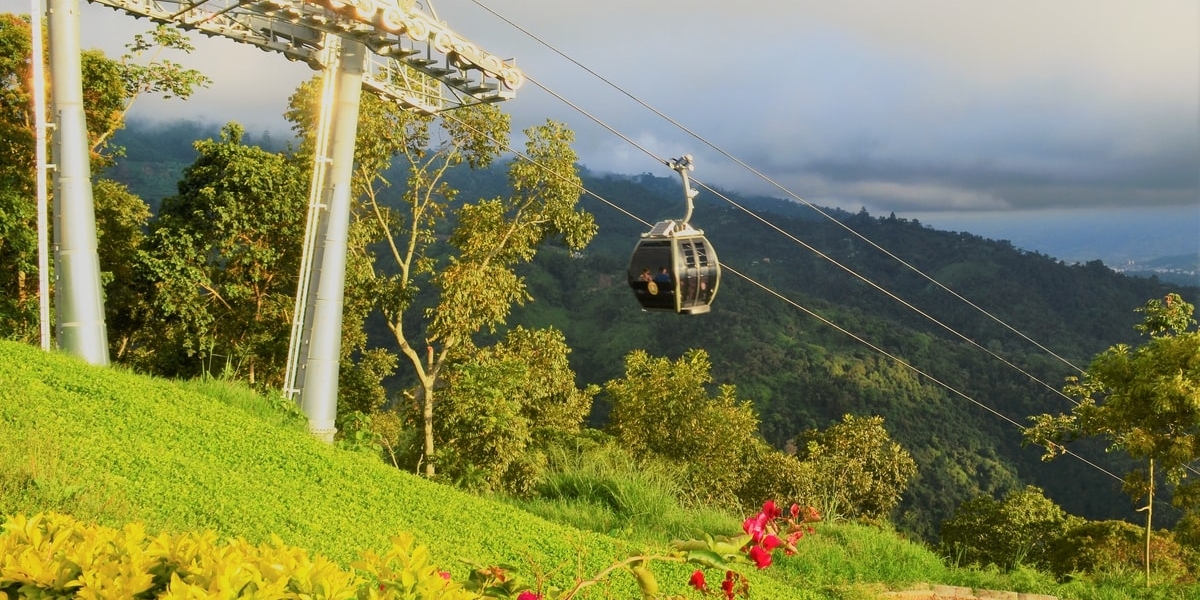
(764, 177)
(793, 303)
(798, 198)
(793, 195)
(802, 243)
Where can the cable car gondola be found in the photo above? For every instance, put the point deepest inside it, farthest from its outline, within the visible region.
(673, 266)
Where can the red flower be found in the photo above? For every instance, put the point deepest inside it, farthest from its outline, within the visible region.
(770, 510)
(761, 557)
(727, 585)
(697, 580)
(528, 595)
(795, 510)
(445, 575)
(770, 542)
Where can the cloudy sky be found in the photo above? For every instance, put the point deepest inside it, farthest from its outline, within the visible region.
(924, 107)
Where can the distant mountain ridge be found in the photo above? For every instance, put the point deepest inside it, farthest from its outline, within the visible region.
(803, 373)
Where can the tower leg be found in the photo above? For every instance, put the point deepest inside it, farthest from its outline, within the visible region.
(78, 293)
(318, 396)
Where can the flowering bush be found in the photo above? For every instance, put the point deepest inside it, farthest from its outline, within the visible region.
(52, 555)
(762, 534)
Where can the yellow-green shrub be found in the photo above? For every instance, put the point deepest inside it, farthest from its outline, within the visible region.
(54, 555)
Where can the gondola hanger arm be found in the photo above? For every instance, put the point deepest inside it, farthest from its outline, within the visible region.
(682, 165)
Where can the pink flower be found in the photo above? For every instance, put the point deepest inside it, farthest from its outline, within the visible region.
(697, 580)
(761, 557)
(770, 542)
(528, 595)
(795, 510)
(755, 525)
(770, 510)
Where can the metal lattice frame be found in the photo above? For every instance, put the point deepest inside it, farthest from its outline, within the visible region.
(414, 59)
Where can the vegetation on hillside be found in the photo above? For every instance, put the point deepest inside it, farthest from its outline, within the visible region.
(858, 383)
(115, 448)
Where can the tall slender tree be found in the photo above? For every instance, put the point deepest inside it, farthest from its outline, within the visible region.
(460, 252)
(1143, 401)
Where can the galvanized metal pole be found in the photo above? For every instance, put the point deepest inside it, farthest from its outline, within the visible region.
(293, 378)
(78, 294)
(43, 218)
(318, 396)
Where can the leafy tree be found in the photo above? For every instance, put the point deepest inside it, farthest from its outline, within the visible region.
(111, 87)
(1142, 401)
(223, 256)
(853, 469)
(158, 75)
(18, 232)
(474, 285)
(121, 218)
(663, 409)
(1117, 547)
(1020, 530)
(498, 403)
(772, 475)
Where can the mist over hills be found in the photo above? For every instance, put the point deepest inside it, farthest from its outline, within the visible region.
(1142, 241)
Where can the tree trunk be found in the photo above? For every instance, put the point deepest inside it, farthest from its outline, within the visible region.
(427, 405)
(1149, 520)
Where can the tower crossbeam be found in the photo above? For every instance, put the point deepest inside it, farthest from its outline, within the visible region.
(414, 59)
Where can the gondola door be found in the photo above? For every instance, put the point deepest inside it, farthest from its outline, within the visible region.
(698, 274)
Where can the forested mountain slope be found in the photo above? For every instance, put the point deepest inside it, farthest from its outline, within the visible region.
(803, 373)
(968, 380)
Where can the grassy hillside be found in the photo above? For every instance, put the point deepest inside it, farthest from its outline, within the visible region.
(110, 446)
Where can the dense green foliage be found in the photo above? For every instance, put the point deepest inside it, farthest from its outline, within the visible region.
(662, 410)
(221, 263)
(504, 407)
(1010, 533)
(854, 470)
(1102, 547)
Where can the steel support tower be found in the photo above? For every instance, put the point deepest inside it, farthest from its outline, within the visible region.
(391, 49)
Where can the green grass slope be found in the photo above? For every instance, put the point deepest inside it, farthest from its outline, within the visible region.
(109, 446)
